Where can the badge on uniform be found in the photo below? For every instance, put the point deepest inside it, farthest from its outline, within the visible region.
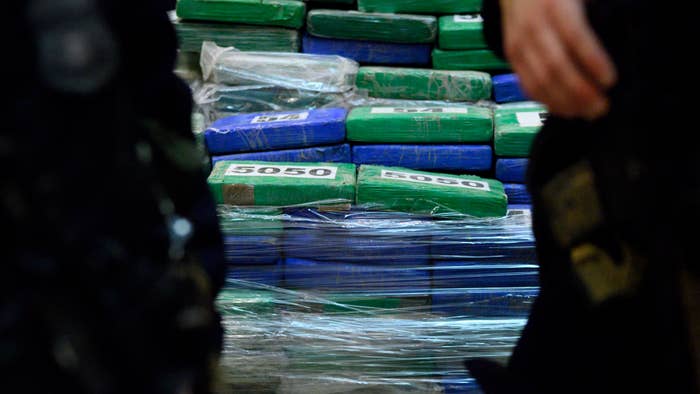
(576, 219)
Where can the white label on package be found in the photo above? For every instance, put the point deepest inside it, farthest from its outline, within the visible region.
(436, 180)
(280, 118)
(468, 18)
(419, 110)
(312, 172)
(531, 119)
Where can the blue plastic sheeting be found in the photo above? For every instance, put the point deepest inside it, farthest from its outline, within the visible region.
(426, 157)
(506, 89)
(484, 302)
(319, 154)
(335, 276)
(517, 193)
(456, 274)
(512, 170)
(266, 275)
(276, 130)
(252, 249)
(369, 52)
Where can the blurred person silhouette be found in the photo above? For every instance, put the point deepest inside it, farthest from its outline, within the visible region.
(615, 194)
(112, 255)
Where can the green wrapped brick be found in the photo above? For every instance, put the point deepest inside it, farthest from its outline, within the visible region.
(232, 301)
(430, 124)
(191, 35)
(516, 126)
(477, 59)
(286, 13)
(401, 189)
(250, 221)
(420, 6)
(353, 25)
(461, 32)
(424, 84)
(254, 183)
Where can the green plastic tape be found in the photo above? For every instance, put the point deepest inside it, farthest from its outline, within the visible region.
(420, 6)
(430, 124)
(516, 126)
(353, 25)
(424, 84)
(286, 13)
(461, 32)
(249, 183)
(191, 35)
(477, 59)
(401, 189)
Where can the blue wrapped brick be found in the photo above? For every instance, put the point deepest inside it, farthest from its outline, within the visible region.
(517, 193)
(318, 154)
(341, 277)
(512, 170)
(276, 130)
(369, 52)
(266, 275)
(503, 302)
(469, 158)
(252, 249)
(471, 274)
(506, 89)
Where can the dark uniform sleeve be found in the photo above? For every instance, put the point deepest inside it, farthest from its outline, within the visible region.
(114, 259)
(611, 233)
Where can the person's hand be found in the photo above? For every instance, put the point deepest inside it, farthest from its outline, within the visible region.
(559, 59)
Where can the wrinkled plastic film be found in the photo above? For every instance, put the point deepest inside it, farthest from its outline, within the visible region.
(379, 301)
(316, 73)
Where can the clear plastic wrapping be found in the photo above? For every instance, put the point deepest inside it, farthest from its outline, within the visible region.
(361, 301)
(315, 73)
(216, 101)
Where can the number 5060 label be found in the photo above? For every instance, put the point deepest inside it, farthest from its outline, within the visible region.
(436, 180)
(282, 171)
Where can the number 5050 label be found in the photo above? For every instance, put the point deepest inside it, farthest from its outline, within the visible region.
(436, 180)
(282, 171)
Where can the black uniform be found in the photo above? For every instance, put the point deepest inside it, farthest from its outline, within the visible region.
(112, 255)
(615, 208)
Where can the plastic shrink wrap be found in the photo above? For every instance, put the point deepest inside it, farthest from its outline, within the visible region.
(316, 73)
(344, 311)
(216, 101)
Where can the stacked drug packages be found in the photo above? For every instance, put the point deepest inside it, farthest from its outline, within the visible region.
(238, 82)
(516, 126)
(351, 293)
